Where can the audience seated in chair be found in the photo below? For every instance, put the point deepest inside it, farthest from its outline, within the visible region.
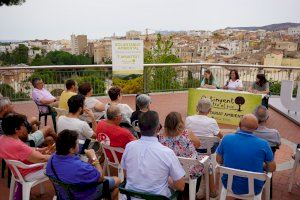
(67, 94)
(72, 122)
(202, 125)
(96, 106)
(271, 135)
(41, 137)
(148, 164)
(244, 151)
(183, 143)
(42, 97)
(109, 131)
(143, 102)
(115, 96)
(12, 148)
(66, 166)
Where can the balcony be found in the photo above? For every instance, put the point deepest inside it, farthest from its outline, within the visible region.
(166, 98)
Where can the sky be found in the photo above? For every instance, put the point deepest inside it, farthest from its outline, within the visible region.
(58, 19)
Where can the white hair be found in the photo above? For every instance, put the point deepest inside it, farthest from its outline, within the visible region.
(4, 102)
(204, 105)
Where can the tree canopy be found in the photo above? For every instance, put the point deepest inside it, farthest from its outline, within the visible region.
(11, 2)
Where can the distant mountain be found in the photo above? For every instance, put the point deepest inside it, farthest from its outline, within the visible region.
(271, 27)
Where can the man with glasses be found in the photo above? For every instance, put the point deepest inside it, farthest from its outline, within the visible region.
(42, 96)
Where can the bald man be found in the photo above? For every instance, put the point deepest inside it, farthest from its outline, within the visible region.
(245, 151)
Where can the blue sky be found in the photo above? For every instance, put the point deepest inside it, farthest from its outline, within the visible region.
(58, 19)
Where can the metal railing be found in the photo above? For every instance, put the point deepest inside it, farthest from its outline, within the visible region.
(15, 82)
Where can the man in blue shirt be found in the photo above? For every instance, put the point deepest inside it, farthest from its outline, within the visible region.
(66, 166)
(245, 151)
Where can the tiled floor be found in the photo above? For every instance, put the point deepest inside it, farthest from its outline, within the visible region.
(164, 103)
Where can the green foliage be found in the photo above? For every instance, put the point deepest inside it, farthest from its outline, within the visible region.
(11, 2)
(162, 78)
(130, 86)
(191, 82)
(97, 83)
(8, 91)
(57, 58)
(18, 56)
(275, 87)
(56, 92)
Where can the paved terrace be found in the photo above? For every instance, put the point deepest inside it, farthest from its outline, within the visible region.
(166, 102)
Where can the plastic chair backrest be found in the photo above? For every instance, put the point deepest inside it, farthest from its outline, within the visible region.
(245, 174)
(18, 164)
(210, 141)
(187, 164)
(66, 191)
(61, 112)
(144, 195)
(112, 150)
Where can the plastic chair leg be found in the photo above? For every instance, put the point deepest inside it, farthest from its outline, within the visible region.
(12, 189)
(223, 193)
(26, 192)
(292, 175)
(3, 168)
(192, 189)
(42, 188)
(45, 117)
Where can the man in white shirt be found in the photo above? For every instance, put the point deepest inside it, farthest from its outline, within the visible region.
(72, 121)
(202, 125)
(148, 164)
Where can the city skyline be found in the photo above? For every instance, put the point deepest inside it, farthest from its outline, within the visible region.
(54, 19)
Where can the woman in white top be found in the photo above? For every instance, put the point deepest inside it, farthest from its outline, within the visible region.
(115, 96)
(234, 83)
(96, 106)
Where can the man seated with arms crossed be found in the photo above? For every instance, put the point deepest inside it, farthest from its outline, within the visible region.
(41, 96)
(66, 95)
(45, 135)
(109, 131)
(244, 151)
(67, 167)
(12, 148)
(202, 125)
(148, 164)
(271, 135)
(72, 121)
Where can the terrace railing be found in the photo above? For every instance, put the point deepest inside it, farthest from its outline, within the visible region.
(15, 82)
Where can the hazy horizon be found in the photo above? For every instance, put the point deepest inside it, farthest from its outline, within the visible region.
(58, 19)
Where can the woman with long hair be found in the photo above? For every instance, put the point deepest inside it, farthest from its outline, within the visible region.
(234, 82)
(184, 144)
(209, 80)
(261, 86)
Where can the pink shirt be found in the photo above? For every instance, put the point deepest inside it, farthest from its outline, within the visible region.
(15, 149)
(38, 95)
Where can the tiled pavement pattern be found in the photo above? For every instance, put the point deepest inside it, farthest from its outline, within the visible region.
(166, 102)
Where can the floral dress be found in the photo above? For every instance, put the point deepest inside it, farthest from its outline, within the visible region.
(183, 147)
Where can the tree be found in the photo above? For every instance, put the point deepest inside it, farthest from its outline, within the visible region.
(11, 2)
(18, 56)
(162, 78)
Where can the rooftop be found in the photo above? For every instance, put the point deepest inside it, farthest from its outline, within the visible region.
(161, 102)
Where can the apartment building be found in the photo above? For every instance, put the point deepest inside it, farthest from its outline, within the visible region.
(78, 44)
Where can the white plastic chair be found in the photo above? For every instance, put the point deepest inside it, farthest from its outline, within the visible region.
(186, 163)
(116, 164)
(246, 174)
(210, 141)
(61, 112)
(293, 172)
(17, 177)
